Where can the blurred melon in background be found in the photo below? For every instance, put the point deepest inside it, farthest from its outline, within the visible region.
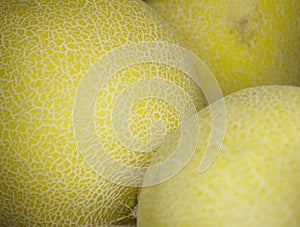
(245, 43)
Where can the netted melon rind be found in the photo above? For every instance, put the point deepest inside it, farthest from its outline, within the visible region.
(47, 48)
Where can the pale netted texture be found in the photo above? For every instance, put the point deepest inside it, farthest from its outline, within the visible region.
(255, 178)
(245, 43)
(47, 48)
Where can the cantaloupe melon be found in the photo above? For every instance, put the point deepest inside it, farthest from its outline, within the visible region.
(245, 43)
(254, 180)
(50, 51)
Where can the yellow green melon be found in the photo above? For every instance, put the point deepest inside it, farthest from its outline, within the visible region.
(245, 43)
(50, 51)
(254, 180)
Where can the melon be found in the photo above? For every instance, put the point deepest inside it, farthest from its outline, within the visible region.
(70, 111)
(245, 43)
(254, 180)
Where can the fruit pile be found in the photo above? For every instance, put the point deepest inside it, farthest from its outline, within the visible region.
(150, 113)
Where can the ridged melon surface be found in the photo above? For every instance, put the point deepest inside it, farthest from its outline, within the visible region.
(245, 43)
(47, 49)
(255, 178)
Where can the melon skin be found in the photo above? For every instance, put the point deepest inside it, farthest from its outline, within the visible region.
(47, 48)
(254, 180)
(245, 43)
